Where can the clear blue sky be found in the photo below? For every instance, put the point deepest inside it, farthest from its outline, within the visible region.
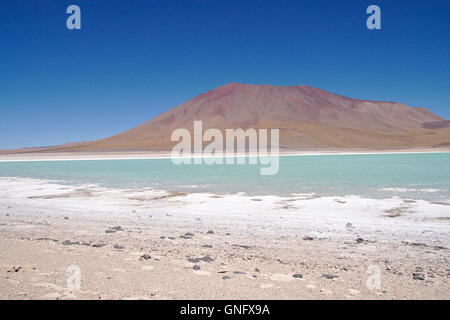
(135, 59)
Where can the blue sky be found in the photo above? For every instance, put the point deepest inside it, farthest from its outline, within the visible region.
(135, 59)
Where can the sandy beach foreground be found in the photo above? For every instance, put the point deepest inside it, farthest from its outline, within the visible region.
(142, 244)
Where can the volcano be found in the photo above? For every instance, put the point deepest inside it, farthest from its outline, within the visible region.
(308, 119)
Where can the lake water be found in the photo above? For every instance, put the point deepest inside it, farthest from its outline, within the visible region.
(417, 176)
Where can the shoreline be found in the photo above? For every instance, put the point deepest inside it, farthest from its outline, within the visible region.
(132, 244)
(398, 216)
(92, 156)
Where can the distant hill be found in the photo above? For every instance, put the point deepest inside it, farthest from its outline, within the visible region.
(308, 119)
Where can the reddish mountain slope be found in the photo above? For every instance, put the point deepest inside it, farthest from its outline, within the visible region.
(308, 118)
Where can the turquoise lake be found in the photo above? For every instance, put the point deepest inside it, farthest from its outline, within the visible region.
(417, 176)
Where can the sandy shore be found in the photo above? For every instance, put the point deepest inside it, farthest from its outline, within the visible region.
(144, 244)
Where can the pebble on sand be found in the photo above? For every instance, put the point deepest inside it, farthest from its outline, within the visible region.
(418, 276)
(187, 235)
(207, 258)
(15, 269)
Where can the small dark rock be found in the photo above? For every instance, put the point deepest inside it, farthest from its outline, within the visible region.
(418, 276)
(69, 243)
(416, 244)
(98, 245)
(242, 246)
(66, 218)
(226, 277)
(188, 234)
(196, 267)
(359, 240)
(207, 246)
(308, 238)
(15, 269)
(238, 272)
(329, 276)
(297, 275)
(207, 259)
(116, 246)
(210, 232)
(145, 257)
(47, 239)
(256, 270)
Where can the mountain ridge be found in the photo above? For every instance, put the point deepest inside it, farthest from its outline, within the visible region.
(308, 118)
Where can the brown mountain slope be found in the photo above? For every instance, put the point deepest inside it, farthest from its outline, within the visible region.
(308, 118)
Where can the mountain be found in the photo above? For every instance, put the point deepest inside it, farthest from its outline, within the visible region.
(308, 119)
